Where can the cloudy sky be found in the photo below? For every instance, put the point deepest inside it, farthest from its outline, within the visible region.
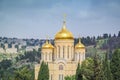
(38, 18)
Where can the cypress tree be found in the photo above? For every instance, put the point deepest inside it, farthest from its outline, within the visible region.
(96, 68)
(78, 75)
(106, 68)
(102, 76)
(87, 69)
(44, 72)
(115, 65)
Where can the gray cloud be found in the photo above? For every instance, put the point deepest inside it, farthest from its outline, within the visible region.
(36, 18)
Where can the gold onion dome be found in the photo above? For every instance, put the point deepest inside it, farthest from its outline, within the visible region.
(64, 33)
(79, 45)
(47, 45)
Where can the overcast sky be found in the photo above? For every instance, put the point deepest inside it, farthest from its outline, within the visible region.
(38, 18)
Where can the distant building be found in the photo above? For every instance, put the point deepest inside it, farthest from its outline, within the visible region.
(30, 48)
(11, 50)
(2, 50)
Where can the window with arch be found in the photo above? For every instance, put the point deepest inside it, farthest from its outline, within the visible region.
(49, 56)
(79, 56)
(68, 51)
(63, 51)
(71, 51)
(51, 76)
(59, 51)
(61, 77)
(60, 67)
(46, 56)
(54, 55)
(75, 56)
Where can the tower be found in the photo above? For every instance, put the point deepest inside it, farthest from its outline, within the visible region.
(47, 52)
(79, 52)
(64, 44)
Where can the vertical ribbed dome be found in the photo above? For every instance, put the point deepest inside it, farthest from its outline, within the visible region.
(47, 45)
(64, 33)
(79, 45)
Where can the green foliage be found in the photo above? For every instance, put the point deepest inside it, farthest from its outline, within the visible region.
(44, 72)
(30, 56)
(4, 67)
(78, 73)
(93, 69)
(24, 73)
(106, 68)
(18, 69)
(5, 64)
(87, 69)
(115, 65)
(70, 77)
(97, 68)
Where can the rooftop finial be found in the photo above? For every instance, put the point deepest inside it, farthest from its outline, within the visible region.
(79, 39)
(65, 17)
(47, 39)
(64, 21)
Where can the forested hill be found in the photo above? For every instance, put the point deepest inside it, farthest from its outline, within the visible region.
(106, 41)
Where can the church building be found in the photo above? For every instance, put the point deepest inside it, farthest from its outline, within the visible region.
(62, 57)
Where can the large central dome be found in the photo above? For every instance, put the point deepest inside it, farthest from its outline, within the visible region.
(64, 33)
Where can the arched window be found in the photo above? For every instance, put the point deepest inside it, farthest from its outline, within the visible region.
(71, 51)
(54, 55)
(61, 77)
(60, 67)
(51, 76)
(79, 56)
(59, 51)
(63, 51)
(68, 51)
(46, 56)
(49, 56)
(76, 56)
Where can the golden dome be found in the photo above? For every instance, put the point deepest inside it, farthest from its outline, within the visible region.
(47, 45)
(79, 45)
(64, 33)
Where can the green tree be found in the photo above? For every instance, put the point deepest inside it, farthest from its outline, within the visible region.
(115, 65)
(70, 77)
(4, 66)
(44, 72)
(106, 68)
(24, 73)
(101, 75)
(97, 68)
(78, 73)
(87, 69)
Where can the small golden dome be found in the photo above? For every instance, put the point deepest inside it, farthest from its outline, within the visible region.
(79, 45)
(47, 45)
(64, 33)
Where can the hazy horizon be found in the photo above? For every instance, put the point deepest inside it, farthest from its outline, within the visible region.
(38, 18)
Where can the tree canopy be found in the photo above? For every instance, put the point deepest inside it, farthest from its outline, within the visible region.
(115, 65)
(44, 72)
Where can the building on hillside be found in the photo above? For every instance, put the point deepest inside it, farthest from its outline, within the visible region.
(62, 57)
(31, 48)
(2, 50)
(7, 49)
(12, 49)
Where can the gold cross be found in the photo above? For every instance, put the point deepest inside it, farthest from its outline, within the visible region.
(64, 17)
(47, 37)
